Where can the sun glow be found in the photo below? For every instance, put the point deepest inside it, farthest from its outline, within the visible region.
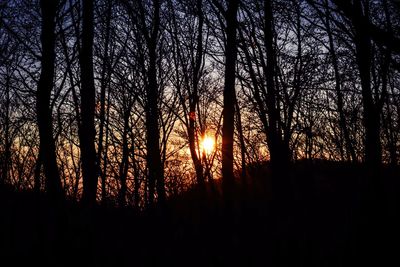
(207, 145)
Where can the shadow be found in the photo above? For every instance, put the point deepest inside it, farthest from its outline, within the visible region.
(330, 219)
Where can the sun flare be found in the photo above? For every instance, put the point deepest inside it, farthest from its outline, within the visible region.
(208, 145)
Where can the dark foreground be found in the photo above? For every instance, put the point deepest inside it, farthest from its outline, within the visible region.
(328, 217)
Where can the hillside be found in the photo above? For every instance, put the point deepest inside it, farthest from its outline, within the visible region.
(328, 220)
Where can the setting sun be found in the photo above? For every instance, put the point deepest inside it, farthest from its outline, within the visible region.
(207, 145)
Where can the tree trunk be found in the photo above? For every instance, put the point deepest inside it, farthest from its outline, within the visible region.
(278, 152)
(123, 168)
(6, 160)
(387, 123)
(373, 154)
(351, 154)
(88, 132)
(195, 97)
(198, 166)
(43, 94)
(371, 117)
(136, 192)
(105, 79)
(242, 145)
(190, 83)
(229, 98)
(154, 164)
(37, 184)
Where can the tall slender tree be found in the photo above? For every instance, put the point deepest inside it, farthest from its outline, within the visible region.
(228, 125)
(145, 16)
(278, 151)
(43, 95)
(264, 77)
(156, 170)
(359, 17)
(104, 84)
(351, 154)
(87, 129)
(188, 57)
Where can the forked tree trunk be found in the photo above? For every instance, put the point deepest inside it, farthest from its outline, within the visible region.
(371, 113)
(373, 154)
(278, 152)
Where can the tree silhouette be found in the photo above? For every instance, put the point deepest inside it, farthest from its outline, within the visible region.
(44, 88)
(87, 130)
(127, 90)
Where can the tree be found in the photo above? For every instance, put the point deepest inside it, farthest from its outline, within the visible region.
(362, 41)
(43, 94)
(228, 125)
(274, 96)
(278, 150)
(188, 58)
(146, 18)
(351, 154)
(87, 129)
(104, 84)
(314, 84)
(5, 152)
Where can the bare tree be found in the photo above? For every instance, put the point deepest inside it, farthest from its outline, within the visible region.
(359, 16)
(228, 125)
(188, 58)
(104, 84)
(351, 154)
(146, 17)
(87, 129)
(44, 88)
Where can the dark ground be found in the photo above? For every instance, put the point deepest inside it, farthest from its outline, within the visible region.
(327, 217)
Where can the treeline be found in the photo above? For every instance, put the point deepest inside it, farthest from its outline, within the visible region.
(109, 100)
